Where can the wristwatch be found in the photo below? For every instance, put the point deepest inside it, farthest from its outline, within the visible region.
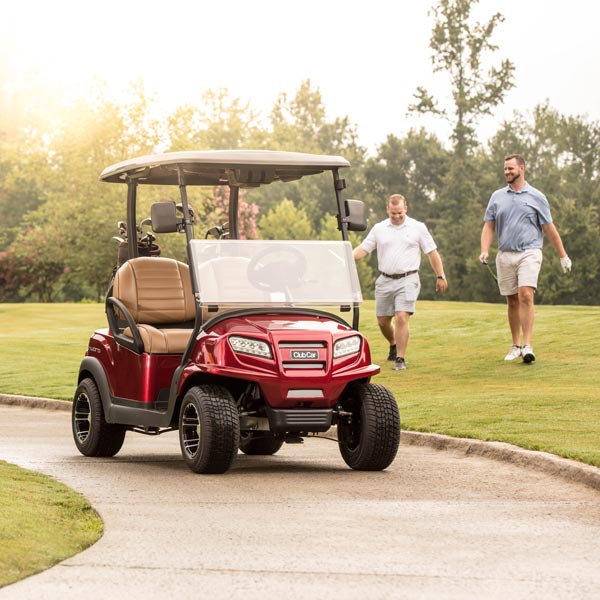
(441, 277)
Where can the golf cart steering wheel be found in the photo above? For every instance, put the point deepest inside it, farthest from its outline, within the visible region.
(277, 269)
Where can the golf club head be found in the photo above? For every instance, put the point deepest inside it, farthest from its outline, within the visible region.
(215, 231)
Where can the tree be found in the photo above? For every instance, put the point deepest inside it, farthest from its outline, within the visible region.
(12, 276)
(21, 163)
(457, 227)
(19, 194)
(581, 235)
(218, 122)
(35, 263)
(413, 166)
(78, 207)
(218, 206)
(286, 222)
(458, 49)
(562, 151)
(300, 124)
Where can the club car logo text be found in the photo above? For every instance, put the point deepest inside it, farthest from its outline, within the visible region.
(304, 355)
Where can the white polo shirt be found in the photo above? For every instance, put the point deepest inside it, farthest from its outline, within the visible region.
(399, 246)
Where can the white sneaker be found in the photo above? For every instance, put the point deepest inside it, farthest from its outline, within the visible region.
(514, 352)
(528, 355)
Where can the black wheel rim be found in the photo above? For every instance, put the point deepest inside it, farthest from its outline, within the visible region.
(83, 417)
(351, 431)
(190, 430)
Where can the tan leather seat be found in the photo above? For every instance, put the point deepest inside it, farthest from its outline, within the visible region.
(158, 294)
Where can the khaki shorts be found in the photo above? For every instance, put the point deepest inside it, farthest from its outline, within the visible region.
(396, 295)
(518, 269)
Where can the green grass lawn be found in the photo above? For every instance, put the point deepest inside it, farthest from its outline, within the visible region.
(42, 522)
(456, 383)
(41, 346)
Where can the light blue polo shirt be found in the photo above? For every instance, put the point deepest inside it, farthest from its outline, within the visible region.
(519, 217)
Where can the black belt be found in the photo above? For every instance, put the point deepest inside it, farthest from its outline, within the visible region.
(399, 275)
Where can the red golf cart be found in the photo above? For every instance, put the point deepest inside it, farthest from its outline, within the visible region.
(244, 345)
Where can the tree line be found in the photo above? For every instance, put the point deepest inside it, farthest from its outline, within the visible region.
(58, 219)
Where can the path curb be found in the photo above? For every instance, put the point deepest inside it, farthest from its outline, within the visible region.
(33, 402)
(544, 462)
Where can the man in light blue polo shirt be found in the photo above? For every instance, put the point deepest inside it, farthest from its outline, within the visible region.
(399, 241)
(520, 215)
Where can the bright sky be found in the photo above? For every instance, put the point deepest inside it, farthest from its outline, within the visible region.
(367, 57)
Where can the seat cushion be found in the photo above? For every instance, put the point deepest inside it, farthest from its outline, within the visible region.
(162, 341)
(155, 290)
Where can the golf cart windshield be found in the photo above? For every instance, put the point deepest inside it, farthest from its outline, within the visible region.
(268, 273)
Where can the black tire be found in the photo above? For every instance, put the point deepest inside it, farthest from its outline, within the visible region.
(370, 441)
(209, 429)
(92, 434)
(260, 444)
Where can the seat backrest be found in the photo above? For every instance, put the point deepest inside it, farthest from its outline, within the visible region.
(155, 290)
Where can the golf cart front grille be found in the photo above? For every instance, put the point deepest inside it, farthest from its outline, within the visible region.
(303, 355)
(302, 345)
(309, 365)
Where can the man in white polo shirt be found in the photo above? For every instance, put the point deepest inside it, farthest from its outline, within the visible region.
(399, 241)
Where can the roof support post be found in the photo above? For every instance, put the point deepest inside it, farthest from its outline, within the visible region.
(132, 246)
(339, 184)
(187, 226)
(234, 194)
(189, 236)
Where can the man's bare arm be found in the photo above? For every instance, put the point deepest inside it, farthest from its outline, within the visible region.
(487, 237)
(359, 252)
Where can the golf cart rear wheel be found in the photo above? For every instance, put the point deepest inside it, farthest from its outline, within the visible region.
(209, 429)
(369, 440)
(259, 444)
(92, 434)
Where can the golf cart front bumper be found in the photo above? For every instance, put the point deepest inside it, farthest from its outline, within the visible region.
(299, 419)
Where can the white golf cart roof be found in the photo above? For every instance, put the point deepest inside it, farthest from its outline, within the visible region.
(241, 168)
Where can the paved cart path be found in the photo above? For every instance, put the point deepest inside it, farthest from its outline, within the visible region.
(436, 524)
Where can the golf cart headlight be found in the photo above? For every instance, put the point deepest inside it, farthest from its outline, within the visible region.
(349, 345)
(249, 346)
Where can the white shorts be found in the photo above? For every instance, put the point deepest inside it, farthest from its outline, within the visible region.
(396, 295)
(518, 269)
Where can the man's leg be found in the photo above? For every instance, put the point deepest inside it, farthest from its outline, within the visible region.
(526, 313)
(528, 272)
(402, 332)
(387, 329)
(514, 317)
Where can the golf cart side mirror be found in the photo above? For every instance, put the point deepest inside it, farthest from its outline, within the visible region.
(356, 215)
(164, 217)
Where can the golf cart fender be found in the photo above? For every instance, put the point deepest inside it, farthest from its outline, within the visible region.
(92, 367)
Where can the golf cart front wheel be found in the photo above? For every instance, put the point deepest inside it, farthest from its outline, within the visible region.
(209, 429)
(369, 440)
(92, 434)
